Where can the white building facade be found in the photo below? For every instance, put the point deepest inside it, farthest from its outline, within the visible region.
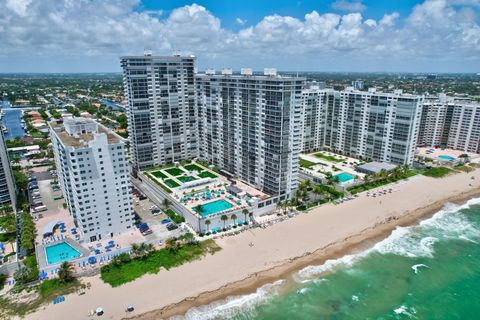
(7, 183)
(371, 125)
(447, 123)
(160, 103)
(251, 127)
(93, 174)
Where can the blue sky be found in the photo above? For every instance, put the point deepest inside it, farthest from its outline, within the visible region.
(253, 11)
(298, 35)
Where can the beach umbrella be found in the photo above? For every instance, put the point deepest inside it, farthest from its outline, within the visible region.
(92, 260)
(99, 311)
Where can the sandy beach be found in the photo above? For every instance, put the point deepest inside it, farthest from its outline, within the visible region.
(310, 238)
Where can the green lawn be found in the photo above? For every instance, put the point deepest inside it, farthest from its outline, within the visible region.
(305, 163)
(328, 158)
(175, 171)
(171, 183)
(193, 167)
(116, 275)
(207, 174)
(437, 172)
(159, 174)
(379, 183)
(186, 178)
(161, 185)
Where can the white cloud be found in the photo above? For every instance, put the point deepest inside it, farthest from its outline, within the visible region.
(350, 6)
(18, 6)
(240, 21)
(95, 32)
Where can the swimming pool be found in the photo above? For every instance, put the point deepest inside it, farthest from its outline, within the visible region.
(344, 177)
(448, 158)
(60, 252)
(213, 207)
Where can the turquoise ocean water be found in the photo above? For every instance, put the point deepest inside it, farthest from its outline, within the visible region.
(427, 271)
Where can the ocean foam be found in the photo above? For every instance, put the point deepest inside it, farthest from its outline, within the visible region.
(407, 241)
(417, 266)
(409, 312)
(233, 305)
(413, 241)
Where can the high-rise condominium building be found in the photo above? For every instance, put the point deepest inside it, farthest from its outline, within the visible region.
(7, 183)
(160, 102)
(367, 125)
(447, 123)
(93, 173)
(251, 127)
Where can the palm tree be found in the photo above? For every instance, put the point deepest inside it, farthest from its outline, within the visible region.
(135, 249)
(234, 218)
(207, 223)
(245, 212)
(279, 205)
(65, 272)
(166, 203)
(224, 218)
(172, 244)
(199, 209)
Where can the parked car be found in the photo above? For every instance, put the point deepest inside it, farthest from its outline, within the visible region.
(142, 197)
(165, 221)
(40, 208)
(147, 232)
(171, 226)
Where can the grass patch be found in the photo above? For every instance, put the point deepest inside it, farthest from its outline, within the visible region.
(327, 157)
(171, 183)
(161, 185)
(42, 294)
(437, 172)
(175, 217)
(193, 167)
(207, 174)
(305, 163)
(8, 223)
(52, 288)
(464, 168)
(380, 182)
(175, 171)
(186, 178)
(116, 275)
(159, 174)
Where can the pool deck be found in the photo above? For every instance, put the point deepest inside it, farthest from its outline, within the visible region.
(42, 258)
(437, 152)
(213, 184)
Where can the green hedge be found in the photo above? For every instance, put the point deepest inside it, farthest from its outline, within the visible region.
(175, 217)
(131, 269)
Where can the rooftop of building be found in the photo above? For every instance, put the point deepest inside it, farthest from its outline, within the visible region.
(81, 138)
(376, 167)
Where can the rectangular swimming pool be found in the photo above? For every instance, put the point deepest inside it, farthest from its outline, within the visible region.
(60, 252)
(448, 158)
(213, 207)
(344, 177)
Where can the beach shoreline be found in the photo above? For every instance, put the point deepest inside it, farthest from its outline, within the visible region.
(260, 256)
(349, 245)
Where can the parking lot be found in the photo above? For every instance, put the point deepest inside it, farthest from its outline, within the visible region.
(144, 209)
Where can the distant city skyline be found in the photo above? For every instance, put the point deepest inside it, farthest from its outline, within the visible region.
(62, 36)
